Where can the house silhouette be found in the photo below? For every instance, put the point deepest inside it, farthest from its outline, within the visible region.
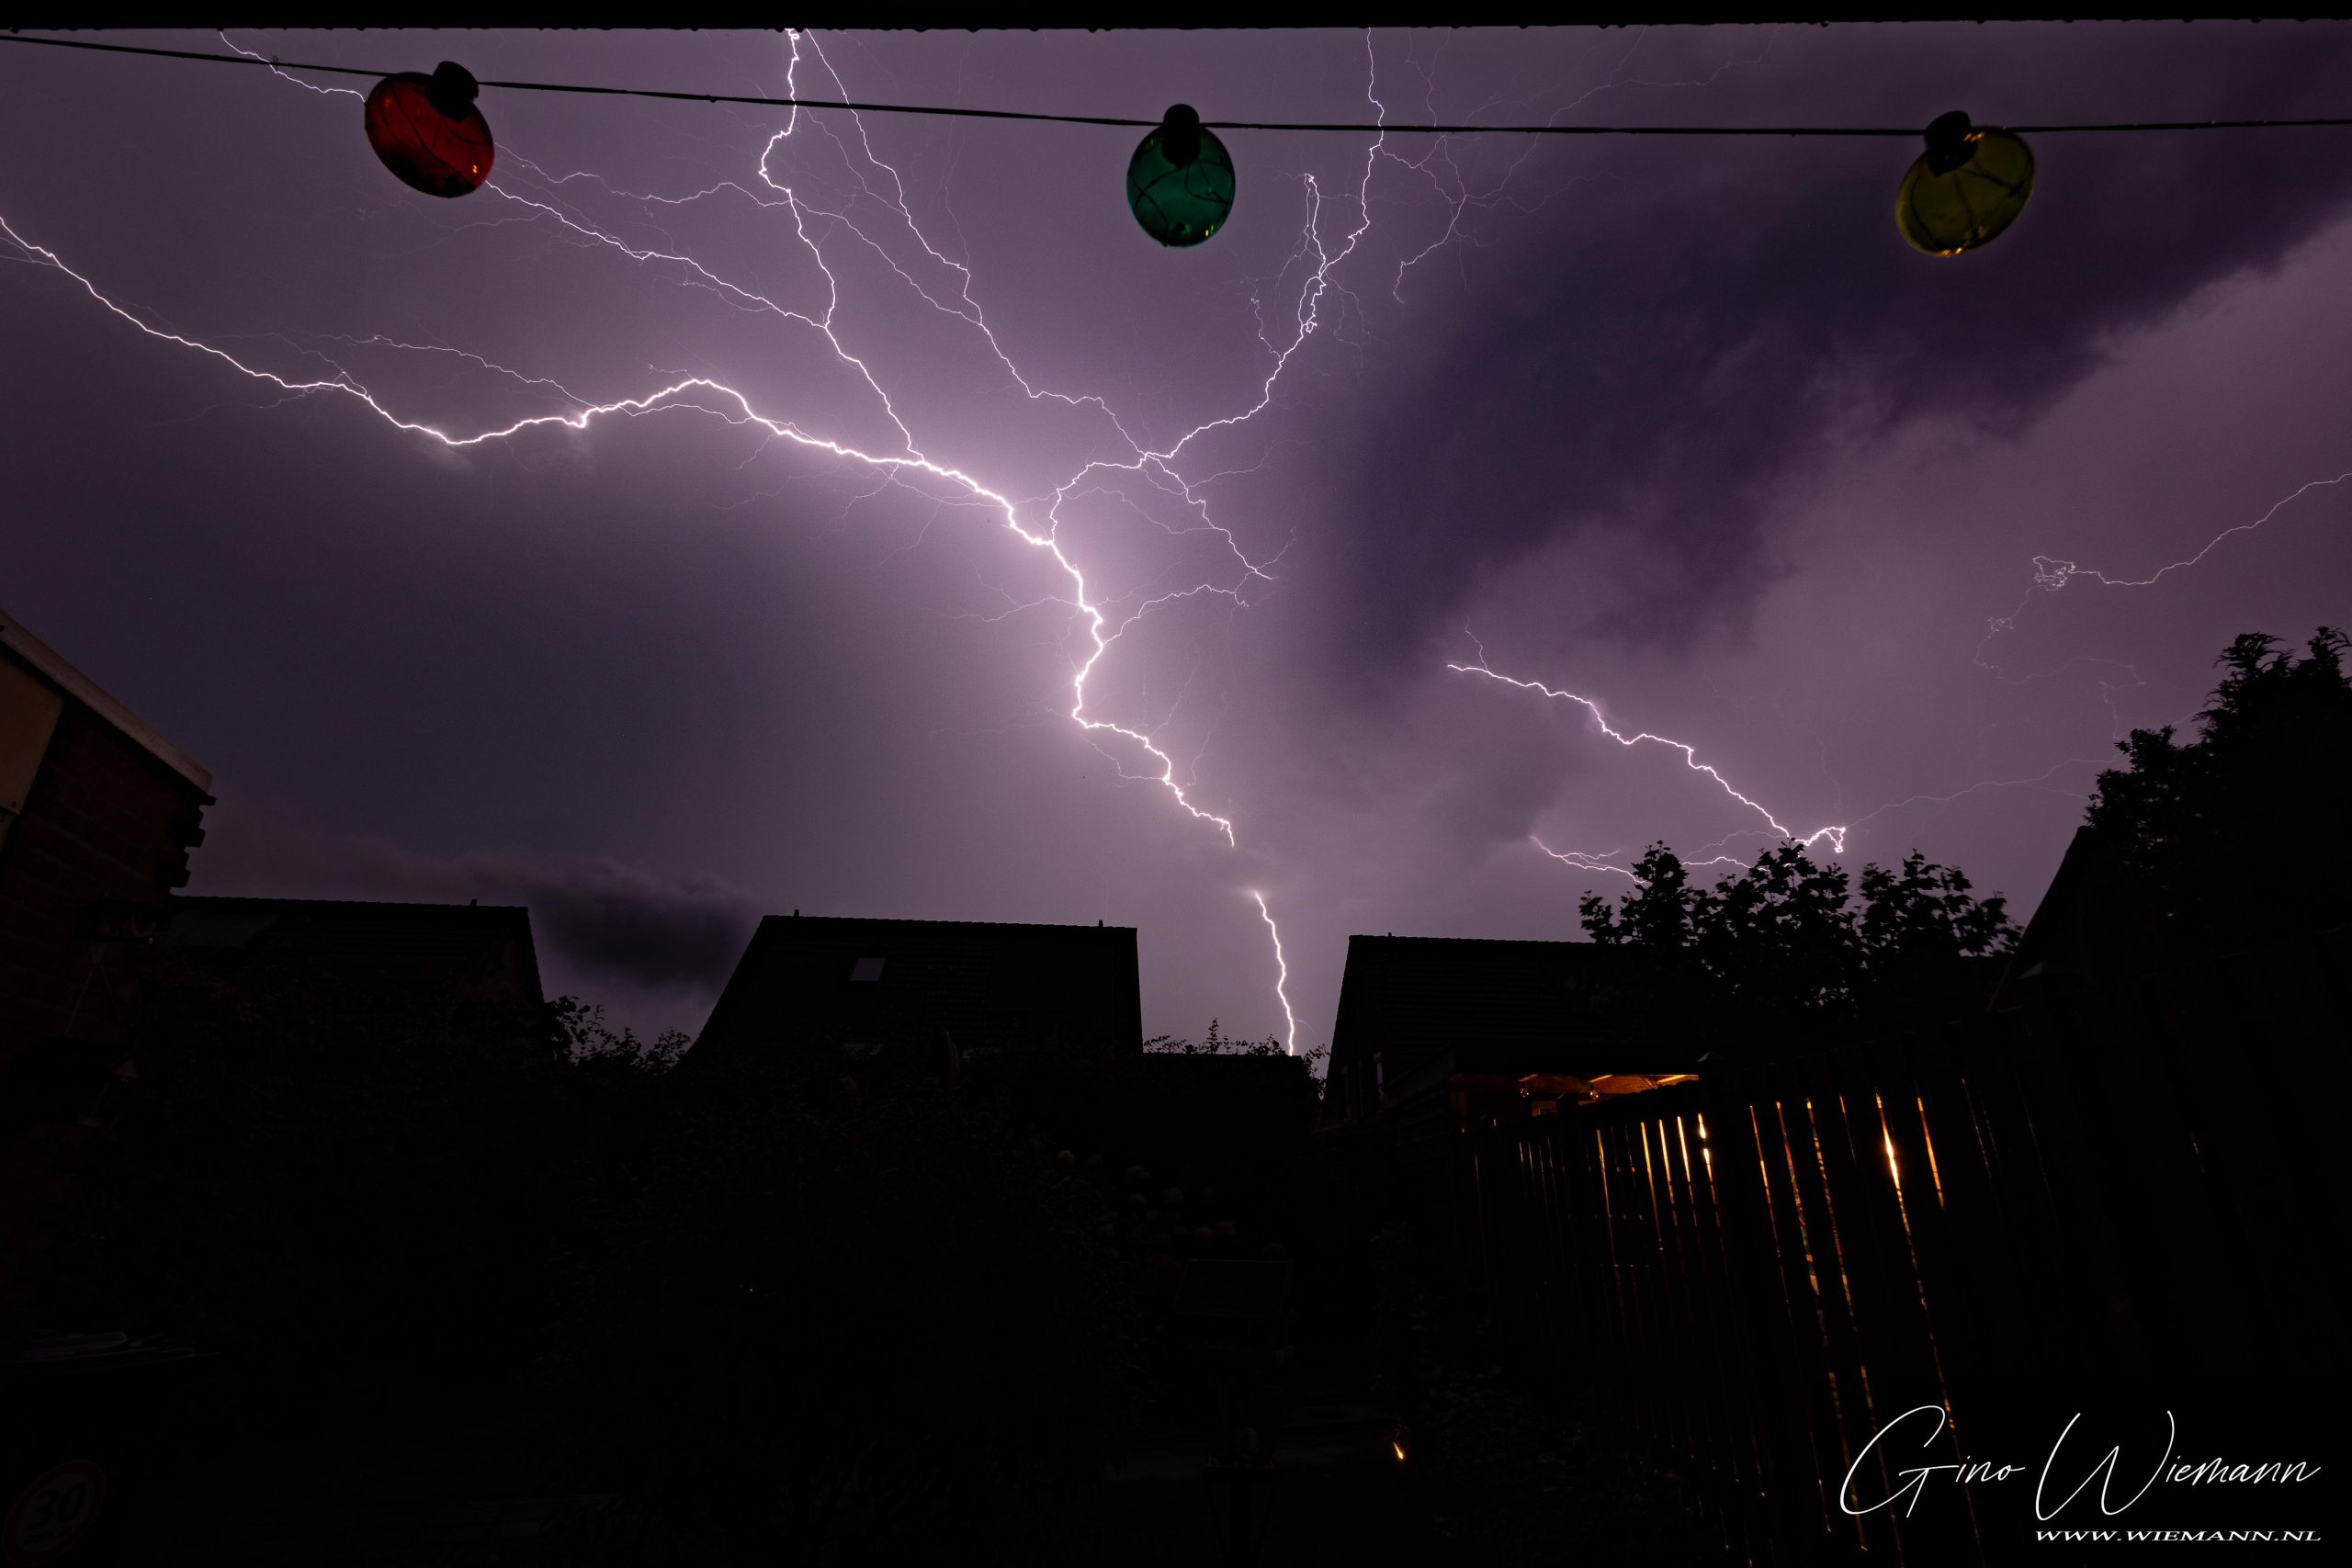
(477, 952)
(809, 984)
(1439, 1033)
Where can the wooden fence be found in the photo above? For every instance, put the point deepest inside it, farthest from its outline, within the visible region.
(2009, 1217)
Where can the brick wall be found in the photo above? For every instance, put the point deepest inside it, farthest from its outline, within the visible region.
(107, 825)
(105, 833)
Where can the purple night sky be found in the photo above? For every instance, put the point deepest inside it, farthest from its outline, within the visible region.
(1680, 425)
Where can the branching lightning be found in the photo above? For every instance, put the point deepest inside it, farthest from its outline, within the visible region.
(1327, 239)
(908, 462)
(1609, 861)
(1580, 860)
(284, 77)
(2051, 573)
(2054, 574)
(1835, 833)
(1448, 182)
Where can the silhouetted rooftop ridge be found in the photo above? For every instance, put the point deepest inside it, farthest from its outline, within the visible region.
(90, 695)
(908, 921)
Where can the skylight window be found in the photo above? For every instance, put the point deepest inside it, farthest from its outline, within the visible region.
(867, 972)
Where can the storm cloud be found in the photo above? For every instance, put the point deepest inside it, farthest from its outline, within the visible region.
(594, 920)
(1677, 424)
(1675, 350)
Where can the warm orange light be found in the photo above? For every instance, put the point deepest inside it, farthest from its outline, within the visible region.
(1399, 1449)
(1930, 1139)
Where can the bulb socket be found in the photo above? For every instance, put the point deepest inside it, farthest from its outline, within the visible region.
(1180, 135)
(1951, 141)
(452, 90)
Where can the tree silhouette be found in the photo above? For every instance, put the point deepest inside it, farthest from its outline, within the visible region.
(2240, 832)
(1783, 947)
(1924, 939)
(1656, 917)
(1779, 937)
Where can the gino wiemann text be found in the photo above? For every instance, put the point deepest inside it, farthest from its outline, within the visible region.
(2051, 1492)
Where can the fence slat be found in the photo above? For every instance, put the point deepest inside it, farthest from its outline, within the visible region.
(1764, 1267)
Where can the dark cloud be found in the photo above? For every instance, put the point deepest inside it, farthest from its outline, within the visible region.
(600, 926)
(1680, 424)
(654, 933)
(1709, 323)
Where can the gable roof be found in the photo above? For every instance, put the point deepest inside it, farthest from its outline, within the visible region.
(985, 983)
(44, 660)
(2092, 928)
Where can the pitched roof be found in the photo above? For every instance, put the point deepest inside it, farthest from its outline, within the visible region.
(399, 946)
(806, 980)
(1502, 1005)
(2092, 928)
(44, 659)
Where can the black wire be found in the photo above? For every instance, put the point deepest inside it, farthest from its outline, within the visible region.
(1399, 128)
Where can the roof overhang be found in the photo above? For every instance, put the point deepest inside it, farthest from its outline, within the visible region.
(45, 661)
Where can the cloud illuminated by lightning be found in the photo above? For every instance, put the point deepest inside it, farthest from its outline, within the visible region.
(1582, 860)
(2054, 574)
(2051, 573)
(1443, 172)
(1609, 861)
(1835, 833)
(908, 462)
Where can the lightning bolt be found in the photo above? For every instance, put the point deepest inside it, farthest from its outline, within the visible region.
(1282, 977)
(908, 463)
(307, 87)
(2051, 573)
(1835, 833)
(1580, 860)
(1608, 860)
(1447, 179)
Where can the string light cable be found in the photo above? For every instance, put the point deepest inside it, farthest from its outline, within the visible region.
(1393, 127)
